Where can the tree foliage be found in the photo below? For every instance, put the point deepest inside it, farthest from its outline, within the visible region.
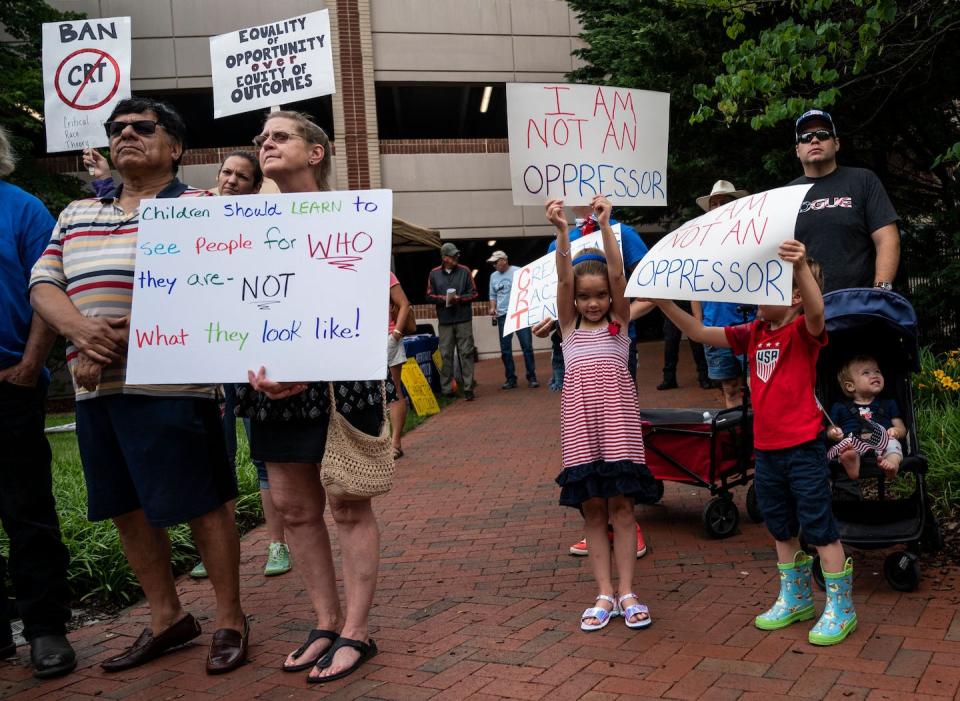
(740, 72)
(21, 100)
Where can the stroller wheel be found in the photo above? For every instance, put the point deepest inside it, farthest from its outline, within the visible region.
(817, 572)
(902, 570)
(753, 510)
(721, 517)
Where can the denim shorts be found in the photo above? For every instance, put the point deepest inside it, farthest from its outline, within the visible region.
(164, 455)
(722, 364)
(793, 492)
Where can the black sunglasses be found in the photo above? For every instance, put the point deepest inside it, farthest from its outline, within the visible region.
(819, 134)
(144, 127)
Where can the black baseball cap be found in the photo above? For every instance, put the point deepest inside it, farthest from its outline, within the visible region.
(811, 115)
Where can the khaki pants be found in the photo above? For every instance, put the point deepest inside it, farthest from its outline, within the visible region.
(459, 336)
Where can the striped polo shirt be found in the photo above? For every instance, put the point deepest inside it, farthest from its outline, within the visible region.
(91, 257)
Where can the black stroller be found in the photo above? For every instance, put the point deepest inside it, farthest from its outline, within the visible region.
(884, 325)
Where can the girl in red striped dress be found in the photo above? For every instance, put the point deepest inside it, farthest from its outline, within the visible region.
(601, 441)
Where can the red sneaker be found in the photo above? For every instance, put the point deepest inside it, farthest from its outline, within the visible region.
(641, 545)
(581, 547)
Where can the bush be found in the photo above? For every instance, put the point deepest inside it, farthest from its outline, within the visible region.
(937, 410)
(99, 572)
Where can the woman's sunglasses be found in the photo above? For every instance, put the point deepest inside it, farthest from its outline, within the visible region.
(819, 134)
(277, 137)
(144, 127)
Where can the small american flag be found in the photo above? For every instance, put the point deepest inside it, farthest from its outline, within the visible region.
(872, 436)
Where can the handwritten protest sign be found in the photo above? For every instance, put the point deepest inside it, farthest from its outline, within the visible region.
(533, 295)
(727, 255)
(86, 71)
(415, 382)
(272, 64)
(576, 141)
(294, 282)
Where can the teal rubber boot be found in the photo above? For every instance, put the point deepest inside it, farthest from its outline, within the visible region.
(839, 619)
(795, 602)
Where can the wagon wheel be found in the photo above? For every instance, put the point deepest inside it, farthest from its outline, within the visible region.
(753, 509)
(721, 517)
(902, 571)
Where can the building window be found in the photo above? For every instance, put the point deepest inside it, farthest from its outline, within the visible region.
(203, 131)
(441, 111)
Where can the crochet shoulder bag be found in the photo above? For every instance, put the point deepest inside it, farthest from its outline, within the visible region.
(355, 464)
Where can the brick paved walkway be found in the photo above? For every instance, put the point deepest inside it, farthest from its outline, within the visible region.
(479, 599)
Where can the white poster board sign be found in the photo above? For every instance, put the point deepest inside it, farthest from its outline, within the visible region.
(572, 142)
(533, 294)
(272, 64)
(297, 283)
(727, 255)
(86, 72)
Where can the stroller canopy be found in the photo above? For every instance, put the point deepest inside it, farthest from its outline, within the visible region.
(862, 306)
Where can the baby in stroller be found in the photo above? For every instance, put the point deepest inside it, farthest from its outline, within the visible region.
(865, 422)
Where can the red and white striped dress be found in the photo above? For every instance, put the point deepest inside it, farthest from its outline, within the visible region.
(600, 434)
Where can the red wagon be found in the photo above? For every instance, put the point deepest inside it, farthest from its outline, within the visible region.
(707, 448)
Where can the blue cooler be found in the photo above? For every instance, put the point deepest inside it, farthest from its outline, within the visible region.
(422, 347)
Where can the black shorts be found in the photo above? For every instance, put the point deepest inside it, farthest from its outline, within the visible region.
(163, 455)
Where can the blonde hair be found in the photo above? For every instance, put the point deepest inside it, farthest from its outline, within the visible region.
(845, 375)
(312, 134)
(8, 159)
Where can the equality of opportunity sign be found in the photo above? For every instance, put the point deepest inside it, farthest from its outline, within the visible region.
(533, 294)
(272, 64)
(86, 71)
(572, 142)
(296, 283)
(726, 255)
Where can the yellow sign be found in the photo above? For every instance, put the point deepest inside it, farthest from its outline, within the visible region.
(424, 402)
(437, 360)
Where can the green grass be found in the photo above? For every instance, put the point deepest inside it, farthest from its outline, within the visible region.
(937, 410)
(98, 572)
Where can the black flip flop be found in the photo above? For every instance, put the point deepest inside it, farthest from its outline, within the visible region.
(366, 650)
(315, 634)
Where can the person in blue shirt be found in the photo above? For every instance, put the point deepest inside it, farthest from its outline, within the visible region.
(633, 250)
(723, 365)
(38, 557)
(501, 280)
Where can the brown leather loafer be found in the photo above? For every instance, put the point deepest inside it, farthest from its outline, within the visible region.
(228, 649)
(148, 646)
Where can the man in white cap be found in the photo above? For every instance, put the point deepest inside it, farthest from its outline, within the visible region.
(846, 221)
(501, 280)
(723, 365)
(451, 287)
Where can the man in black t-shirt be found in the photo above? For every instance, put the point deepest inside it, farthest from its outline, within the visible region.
(846, 221)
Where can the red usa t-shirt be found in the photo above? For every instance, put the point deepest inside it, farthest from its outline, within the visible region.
(783, 373)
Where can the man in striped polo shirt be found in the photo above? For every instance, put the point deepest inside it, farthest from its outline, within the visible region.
(153, 455)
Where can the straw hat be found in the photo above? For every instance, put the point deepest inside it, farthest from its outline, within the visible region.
(721, 187)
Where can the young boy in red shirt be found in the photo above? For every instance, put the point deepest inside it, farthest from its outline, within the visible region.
(791, 477)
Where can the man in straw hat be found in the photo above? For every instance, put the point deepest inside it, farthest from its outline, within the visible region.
(501, 280)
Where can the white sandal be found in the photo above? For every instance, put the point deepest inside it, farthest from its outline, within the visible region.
(600, 613)
(631, 611)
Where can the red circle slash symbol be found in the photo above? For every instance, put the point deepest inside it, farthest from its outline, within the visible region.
(100, 57)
